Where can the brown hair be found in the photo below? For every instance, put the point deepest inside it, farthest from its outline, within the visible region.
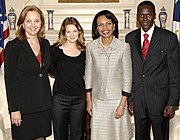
(62, 39)
(21, 32)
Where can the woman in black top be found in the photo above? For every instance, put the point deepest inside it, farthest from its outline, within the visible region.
(68, 63)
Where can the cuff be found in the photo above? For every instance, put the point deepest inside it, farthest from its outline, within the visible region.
(88, 90)
(129, 95)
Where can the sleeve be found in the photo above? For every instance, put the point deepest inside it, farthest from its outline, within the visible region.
(127, 71)
(10, 75)
(88, 69)
(173, 58)
(52, 64)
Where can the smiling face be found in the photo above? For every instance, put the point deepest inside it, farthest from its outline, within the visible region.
(71, 33)
(146, 17)
(32, 24)
(105, 27)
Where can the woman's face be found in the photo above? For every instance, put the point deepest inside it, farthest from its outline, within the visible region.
(71, 33)
(105, 27)
(32, 24)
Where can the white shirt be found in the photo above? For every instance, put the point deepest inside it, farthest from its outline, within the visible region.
(149, 32)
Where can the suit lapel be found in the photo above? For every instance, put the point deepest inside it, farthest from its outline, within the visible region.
(27, 47)
(137, 42)
(154, 42)
(100, 48)
(42, 52)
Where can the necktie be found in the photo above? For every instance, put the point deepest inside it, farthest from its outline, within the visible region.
(145, 45)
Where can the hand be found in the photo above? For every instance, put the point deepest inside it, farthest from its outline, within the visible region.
(89, 103)
(89, 107)
(130, 108)
(169, 111)
(119, 112)
(16, 118)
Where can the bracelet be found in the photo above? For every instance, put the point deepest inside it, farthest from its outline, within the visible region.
(121, 107)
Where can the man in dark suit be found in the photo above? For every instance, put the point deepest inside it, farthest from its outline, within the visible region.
(156, 75)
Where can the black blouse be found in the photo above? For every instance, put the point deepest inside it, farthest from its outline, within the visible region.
(68, 72)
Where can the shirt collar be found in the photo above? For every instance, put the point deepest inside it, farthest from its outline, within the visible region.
(149, 32)
(112, 46)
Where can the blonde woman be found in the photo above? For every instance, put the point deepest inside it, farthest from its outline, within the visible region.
(27, 60)
(68, 62)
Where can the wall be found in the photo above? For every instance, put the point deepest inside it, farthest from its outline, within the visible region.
(85, 12)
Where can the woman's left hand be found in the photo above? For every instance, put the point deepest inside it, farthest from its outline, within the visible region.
(119, 112)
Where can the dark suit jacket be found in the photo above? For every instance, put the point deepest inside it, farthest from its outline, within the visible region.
(27, 84)
(156, 80)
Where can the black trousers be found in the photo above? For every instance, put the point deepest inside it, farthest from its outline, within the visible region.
(68, 111)
(144, 121)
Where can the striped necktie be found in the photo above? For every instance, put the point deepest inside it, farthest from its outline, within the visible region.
(145, 46)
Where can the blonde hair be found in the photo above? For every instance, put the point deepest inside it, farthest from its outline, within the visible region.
(62, 38)
(21, 32)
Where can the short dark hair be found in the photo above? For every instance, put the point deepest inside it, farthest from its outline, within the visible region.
(108, 15)
(148, 3)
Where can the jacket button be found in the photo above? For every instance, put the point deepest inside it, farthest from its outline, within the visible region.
(143, 75)
(40, 75)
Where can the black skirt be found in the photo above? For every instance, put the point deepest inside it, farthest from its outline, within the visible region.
(33, 126)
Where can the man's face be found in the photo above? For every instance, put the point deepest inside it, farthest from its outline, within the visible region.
(146, 17)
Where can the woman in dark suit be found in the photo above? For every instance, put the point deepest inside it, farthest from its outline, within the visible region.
(27, 60)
